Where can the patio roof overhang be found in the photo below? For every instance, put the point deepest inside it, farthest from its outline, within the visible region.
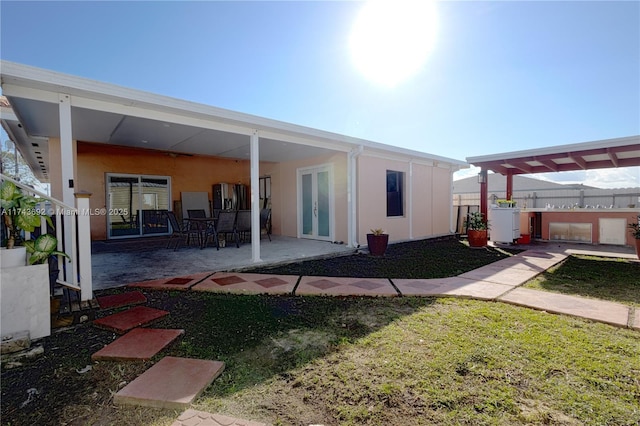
(602, 154)
(608, 153)
(110, 114)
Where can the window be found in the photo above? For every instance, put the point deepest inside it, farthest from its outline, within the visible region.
(395, 189)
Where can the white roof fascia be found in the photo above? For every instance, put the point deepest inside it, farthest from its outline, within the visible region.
(559, 149)
(14, 74)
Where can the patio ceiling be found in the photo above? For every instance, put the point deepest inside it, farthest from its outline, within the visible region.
(608, 153)
(39, 121)
(109, 114)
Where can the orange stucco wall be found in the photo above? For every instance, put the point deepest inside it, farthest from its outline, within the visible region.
(429, 191)
(188, 173)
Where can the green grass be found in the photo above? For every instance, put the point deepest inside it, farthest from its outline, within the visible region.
(359, 361)
(366, 361)
(423, 361)
(612, 279)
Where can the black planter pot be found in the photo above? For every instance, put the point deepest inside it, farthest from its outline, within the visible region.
(377, 244)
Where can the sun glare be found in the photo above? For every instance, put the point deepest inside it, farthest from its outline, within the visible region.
(391, 39)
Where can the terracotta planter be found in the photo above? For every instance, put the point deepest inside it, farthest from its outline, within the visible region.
(377, 244)
(477, 238)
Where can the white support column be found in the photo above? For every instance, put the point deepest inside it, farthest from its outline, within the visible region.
(84, 246)
(352, 190)
(67, 171)
(255, 197)
(66, 150)
(411, 199)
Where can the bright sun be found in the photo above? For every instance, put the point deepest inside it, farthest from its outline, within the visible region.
(391, 39)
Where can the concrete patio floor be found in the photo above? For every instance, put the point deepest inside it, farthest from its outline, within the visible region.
(117, 263)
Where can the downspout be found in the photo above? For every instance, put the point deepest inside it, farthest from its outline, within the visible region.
(352, 237)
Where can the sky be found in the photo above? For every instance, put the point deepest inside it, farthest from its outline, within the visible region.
(471, 78)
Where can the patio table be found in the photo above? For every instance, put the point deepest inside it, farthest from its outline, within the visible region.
(202, 224)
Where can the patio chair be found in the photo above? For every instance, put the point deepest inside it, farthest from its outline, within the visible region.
(179, 232)
(265, 222)
(243, 224)
(226, 224)
(198, 213)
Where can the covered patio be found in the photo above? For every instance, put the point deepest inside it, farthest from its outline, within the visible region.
(120, 262)
(130, 152)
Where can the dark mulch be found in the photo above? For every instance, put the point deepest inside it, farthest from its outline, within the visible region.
(432, 258)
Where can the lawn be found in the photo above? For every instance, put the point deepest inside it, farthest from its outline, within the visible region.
(612, 279)
(293, 360)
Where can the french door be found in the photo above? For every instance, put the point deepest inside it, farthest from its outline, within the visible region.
(315, 203)
(136, 205)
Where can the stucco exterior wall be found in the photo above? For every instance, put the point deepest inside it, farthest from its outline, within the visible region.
(188, 173)
(591, 217)
(284, 193)
(442, 196)
(427, 188)
(427, 199)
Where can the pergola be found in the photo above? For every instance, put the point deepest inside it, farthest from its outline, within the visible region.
(602, 154)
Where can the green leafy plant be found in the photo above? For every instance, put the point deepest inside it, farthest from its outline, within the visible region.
(42, 247)
(476, 222)
(635, 230)
(19, 213)
(377, 231)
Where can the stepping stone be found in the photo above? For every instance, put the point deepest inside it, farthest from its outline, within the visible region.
(171, 383)
(124, 321)
(140, 344)
(193, 417)
(120, 300)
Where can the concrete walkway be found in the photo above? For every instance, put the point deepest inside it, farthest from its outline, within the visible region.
(499, 281)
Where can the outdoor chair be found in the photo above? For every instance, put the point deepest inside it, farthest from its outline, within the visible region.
(226, 224)
(179, 232)
(198, 213)
(265, 222)
(243, 224)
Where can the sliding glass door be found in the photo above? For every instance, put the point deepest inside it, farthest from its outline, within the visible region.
(135, 205)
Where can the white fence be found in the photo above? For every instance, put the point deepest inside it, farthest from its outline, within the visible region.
(566, 198)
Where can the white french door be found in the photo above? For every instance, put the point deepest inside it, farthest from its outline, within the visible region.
(315, 203)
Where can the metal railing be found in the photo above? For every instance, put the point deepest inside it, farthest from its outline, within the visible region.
(73, 232)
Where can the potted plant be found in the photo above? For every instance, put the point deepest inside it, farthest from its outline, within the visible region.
(477, 229)
(635, 231)
(377, 241)
(19, 213)
(26, 290)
